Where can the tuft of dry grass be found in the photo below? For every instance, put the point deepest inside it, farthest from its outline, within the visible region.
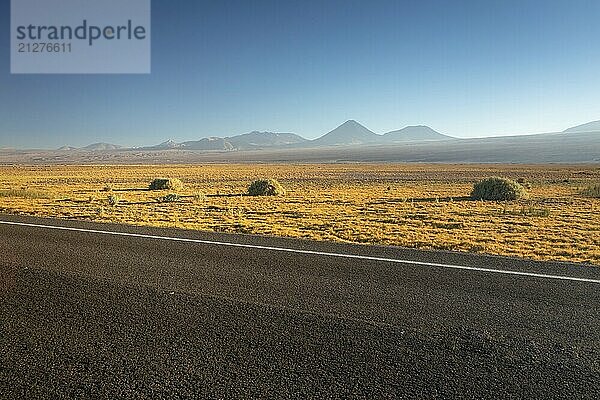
(25, 194)
(592, 191)
(113, 200)
(170, 198)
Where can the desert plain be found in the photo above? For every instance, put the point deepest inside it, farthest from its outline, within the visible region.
(424, 206)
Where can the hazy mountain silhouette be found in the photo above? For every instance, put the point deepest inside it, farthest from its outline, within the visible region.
(589, 127)
(257, 139)
(92, 147)
(168, 145)
(101, 146)
(212, 143)
(350, 132)
(246, 141)
(353, 141)
(414, 134)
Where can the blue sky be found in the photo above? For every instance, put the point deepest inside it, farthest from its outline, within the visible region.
(219, 68)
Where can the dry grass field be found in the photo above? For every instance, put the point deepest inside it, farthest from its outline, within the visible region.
(412, 205)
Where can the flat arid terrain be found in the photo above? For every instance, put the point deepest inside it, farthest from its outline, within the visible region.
(423, 206)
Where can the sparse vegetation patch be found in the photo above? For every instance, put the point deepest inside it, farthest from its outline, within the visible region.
(592, 191)
(25, 194)
(199, 196)
(170, 198)
(428, 206)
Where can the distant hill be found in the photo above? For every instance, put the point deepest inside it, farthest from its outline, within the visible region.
(589, 127)
(101, 147)
(212, 143)
(350, 132)
(414, 134)
(168, 145)
(257, 139)
(67, 148)
(353, 133)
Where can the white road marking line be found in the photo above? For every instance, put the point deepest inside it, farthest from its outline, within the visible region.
(308, 252)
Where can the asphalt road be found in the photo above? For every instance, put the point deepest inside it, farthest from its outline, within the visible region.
(165, 313)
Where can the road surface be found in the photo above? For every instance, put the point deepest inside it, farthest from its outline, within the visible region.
(107, 311)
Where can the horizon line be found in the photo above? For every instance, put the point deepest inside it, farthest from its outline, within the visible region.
(178, 141)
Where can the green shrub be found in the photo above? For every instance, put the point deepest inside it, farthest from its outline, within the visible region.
(592, 191)
(268, 187)
(498, 189)
(166, 184)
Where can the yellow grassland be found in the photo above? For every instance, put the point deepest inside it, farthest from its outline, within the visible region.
(411, 205)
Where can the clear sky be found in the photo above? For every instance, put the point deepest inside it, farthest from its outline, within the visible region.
(219, 68)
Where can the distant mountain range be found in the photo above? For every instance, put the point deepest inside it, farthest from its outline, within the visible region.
(350, 133)
(353, 133)
(212, 143)
(265, 139)
(93, 147)
(247, 141)
(349, 142)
